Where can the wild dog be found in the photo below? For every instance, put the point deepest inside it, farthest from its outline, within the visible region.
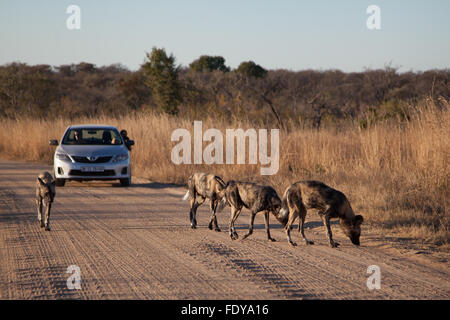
(45, 194)
(331, 203)
(202, 186)
(254, 197)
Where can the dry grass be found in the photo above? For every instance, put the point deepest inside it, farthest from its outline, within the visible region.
(395, 174)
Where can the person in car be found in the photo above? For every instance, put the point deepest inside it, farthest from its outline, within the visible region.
(77, 137)
(106, 137)
(125, 138)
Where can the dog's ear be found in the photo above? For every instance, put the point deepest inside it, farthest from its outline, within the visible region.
(41, 182)
(357, 220)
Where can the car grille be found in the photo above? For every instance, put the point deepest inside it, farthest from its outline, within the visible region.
(86, 160)
(106, 173)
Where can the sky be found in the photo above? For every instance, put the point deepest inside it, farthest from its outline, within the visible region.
(283, 34)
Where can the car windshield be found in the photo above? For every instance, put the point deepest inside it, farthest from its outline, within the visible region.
(92, 136)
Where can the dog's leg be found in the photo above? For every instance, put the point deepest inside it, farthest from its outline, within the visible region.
(216, 224)
(301, 225)
(250, 226)
(194, 212)
(213, 221)
(266, 221)
(193, 202)
(326, 221)
(39, 211)
(191, 212)
(211, 205)
(234, 215)
(292, 216)
(47, 216)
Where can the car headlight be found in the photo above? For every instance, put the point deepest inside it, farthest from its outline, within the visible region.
(62, 156)
(120, 157)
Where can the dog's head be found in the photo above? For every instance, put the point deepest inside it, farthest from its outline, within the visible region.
(47, 189)
(352, 229)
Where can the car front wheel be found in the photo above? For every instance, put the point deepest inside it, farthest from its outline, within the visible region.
(125, 182)
(60, 182)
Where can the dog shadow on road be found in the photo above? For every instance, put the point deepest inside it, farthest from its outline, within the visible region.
(308, 225)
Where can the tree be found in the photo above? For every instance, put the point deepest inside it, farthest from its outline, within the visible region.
(132, 87)
(209, 63)
(251, 69)
(85, 67)
(25, 89)
(162, 76)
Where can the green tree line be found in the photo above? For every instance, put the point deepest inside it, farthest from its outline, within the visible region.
(208, 87)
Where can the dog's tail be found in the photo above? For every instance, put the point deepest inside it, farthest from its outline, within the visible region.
(284, 206)
(186, 196)
(191, 189)
(222, 204)
(220, 181)
(283, 214)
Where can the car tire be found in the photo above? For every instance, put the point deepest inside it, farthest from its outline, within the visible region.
(60, 182)
(125, 182)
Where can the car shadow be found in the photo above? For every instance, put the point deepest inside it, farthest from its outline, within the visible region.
(154, 185)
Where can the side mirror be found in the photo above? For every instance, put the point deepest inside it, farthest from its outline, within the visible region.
(53, 142)
(130, 142)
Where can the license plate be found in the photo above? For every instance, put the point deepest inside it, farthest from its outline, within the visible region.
(92, 169)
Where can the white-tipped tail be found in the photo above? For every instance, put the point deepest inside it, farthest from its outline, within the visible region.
(186, 196)
(222, 204)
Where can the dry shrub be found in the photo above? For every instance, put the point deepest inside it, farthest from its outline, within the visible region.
(394, 173)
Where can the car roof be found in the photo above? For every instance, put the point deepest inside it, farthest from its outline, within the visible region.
(91, 126)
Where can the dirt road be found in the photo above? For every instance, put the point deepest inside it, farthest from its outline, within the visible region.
(136, 243)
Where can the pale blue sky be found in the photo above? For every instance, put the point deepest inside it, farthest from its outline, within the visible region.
(296, 35)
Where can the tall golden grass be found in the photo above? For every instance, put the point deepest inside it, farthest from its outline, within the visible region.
(395, 173)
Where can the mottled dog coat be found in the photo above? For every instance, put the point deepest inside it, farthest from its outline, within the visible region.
(45, 194)
(202, 186)
(331, 203)
(254, 197)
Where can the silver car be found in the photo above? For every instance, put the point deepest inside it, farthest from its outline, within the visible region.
(92, 152)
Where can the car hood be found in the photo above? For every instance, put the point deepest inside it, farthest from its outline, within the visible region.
(93, 150)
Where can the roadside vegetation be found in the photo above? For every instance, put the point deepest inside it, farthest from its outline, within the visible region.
(395, 173)
(379, 136)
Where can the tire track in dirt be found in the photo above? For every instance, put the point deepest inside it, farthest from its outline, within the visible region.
(322, 271)
(135, 243)
(28, 255)
(398, 275)
(235, 263)
(345, 270)
(165, 252)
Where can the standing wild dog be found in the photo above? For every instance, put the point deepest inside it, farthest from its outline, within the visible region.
(45, 193)
(200, 187)
(254, 197)
(331, 203)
